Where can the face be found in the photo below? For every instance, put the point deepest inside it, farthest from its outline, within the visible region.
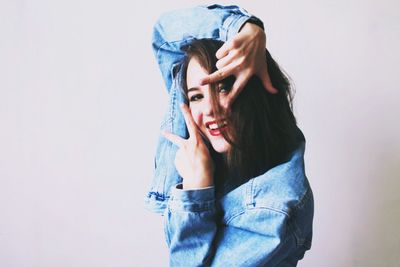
(200, 104)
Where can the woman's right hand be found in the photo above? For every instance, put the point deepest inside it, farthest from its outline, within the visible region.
(243, 56)
(192, 161)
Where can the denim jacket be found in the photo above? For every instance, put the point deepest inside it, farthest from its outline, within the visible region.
(266, 221)
(172, 31)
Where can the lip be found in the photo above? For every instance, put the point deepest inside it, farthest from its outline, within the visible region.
(214, 132)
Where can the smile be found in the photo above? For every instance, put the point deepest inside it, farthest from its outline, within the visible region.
(213, 128)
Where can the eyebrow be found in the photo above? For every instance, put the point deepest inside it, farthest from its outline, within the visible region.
(192, 89)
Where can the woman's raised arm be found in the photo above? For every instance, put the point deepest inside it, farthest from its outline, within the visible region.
(175, 29)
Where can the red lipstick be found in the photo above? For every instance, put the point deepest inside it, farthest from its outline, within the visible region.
(217, 131)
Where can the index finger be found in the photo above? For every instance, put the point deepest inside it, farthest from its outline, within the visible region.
(218, 75)
(191, 125)
(175, 139)
(237, 87)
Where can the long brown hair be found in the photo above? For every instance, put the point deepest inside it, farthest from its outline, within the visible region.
(263, 128)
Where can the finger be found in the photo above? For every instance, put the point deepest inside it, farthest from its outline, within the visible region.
(218, 75)
(237, 87)
(175, 139)
(266, 81)
(226, 60)
(190, 123)
(223, 50)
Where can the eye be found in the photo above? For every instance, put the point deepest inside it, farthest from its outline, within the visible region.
(223, 88)
(195, 97)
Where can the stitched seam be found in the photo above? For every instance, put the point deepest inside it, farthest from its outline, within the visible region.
(185, 40)
(250, 193)
(166, 226)
(306, 196)
(166, 121)
(158, 51)
(294, 229)
(229, 219)
(168, 149)
(272, 209)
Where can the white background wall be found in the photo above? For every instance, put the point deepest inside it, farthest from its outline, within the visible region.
(81, 99)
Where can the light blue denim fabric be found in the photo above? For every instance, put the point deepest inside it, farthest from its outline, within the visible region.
(266, 221)
(172, 31)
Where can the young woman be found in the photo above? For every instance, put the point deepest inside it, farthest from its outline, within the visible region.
(242, 198)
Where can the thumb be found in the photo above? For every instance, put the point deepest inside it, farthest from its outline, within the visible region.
(237, 87)
(266, 81)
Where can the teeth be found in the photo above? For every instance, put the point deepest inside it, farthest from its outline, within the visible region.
(215, 126)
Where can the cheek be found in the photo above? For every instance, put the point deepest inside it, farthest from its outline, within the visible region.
(196, 117)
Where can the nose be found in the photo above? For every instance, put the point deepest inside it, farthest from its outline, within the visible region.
(208, 108)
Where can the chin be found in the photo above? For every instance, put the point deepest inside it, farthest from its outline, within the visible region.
(221, 147)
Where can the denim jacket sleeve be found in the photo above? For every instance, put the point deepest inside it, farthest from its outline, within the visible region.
(254, 237)
(175, 29)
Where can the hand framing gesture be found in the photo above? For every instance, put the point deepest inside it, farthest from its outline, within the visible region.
(243, 56)
(192, 161)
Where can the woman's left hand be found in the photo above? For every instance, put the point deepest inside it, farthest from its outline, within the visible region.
(192, 161)
(243, 56)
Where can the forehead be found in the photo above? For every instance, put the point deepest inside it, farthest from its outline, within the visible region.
(194, 72)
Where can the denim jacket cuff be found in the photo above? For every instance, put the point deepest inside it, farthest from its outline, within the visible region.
(193, 200)
(234, 23)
